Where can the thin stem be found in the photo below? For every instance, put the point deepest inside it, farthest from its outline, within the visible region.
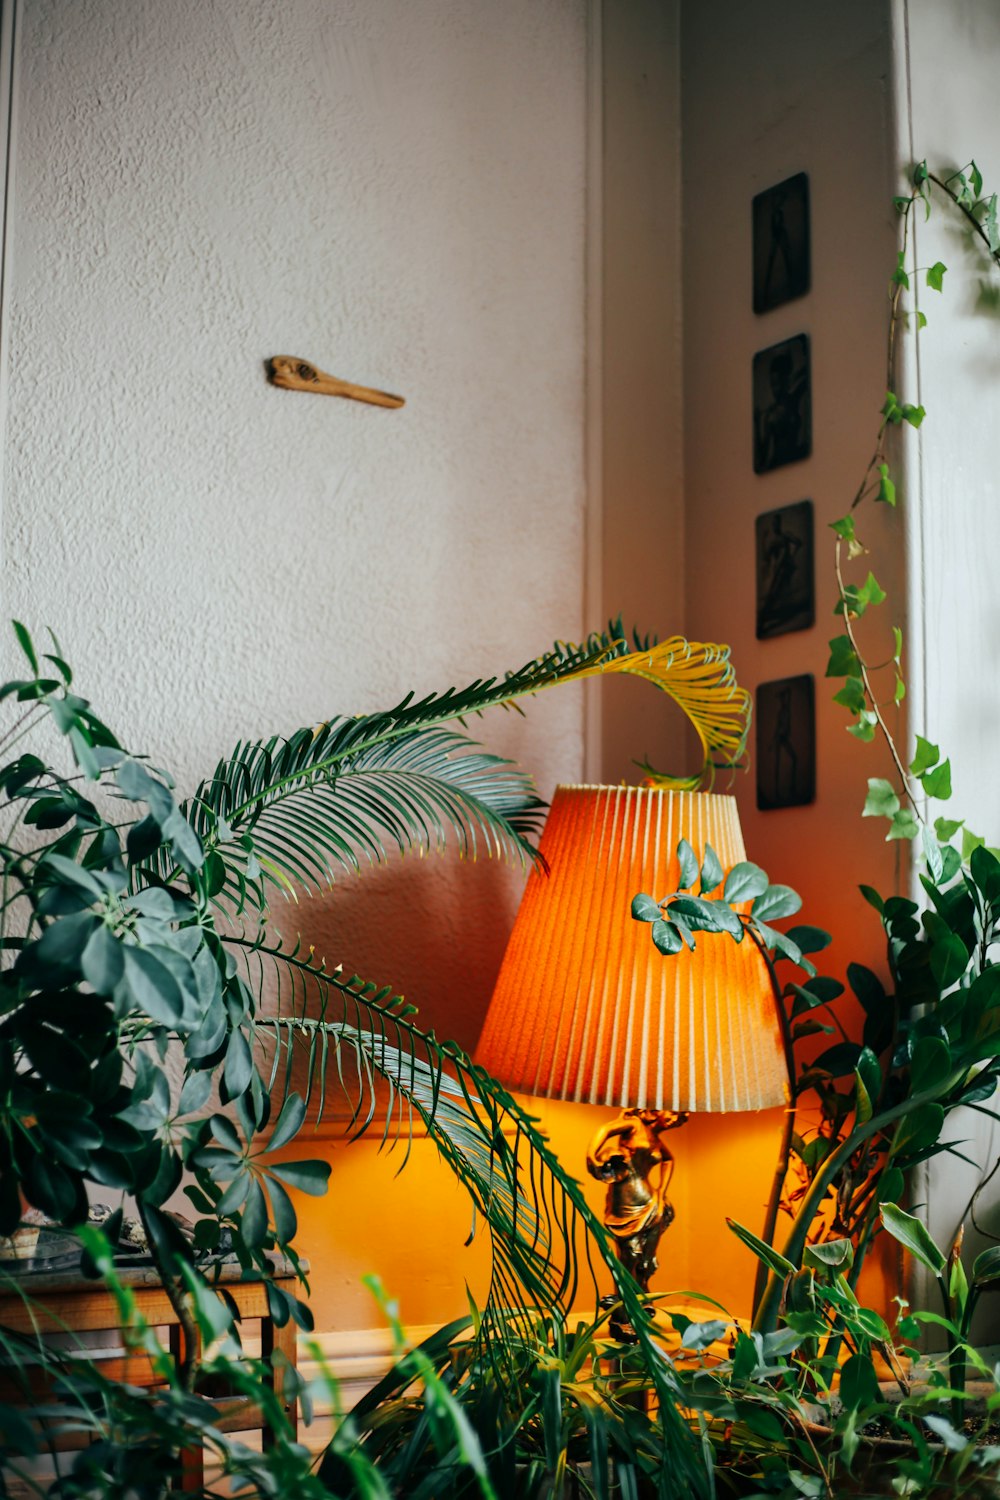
(869, 690)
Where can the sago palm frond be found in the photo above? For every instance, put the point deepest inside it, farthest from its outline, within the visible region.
(546, 1241)
(298, 811)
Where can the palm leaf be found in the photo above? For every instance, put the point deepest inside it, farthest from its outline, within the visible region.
(297, 812)
(546, 1241)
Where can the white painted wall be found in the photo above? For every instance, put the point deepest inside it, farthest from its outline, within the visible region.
(394, 189)
(954, 488)
(200, 186)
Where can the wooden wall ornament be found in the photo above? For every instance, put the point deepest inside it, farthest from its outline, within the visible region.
(294, 374)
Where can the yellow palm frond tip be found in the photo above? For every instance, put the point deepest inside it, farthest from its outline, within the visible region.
(700, 678)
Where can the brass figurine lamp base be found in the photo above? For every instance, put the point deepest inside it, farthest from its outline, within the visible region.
(626, 1154)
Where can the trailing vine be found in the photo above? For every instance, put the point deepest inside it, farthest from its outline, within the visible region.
(927, 774)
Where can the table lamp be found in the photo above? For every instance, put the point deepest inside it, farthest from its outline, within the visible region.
(585, 1008)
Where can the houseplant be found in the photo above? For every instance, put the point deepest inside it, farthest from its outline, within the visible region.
(116, 959)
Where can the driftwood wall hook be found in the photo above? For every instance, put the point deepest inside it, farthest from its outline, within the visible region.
(294, 374)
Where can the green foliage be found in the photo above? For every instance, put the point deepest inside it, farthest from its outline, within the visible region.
(113, 960)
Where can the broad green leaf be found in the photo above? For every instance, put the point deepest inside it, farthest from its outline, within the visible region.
(645, 909)
(918, 1129)
(913, 1234)
(904, 825)
(890, 1185)
(102, 961)
(844, 527)
(305, 1176)
(283, 1212)
(666, 937)
(852, 695)
(859, 1383)
(253, 1224)
(843, 658)
(828, 1253)
(886, 488)
(935, 275)
(809, 939)
(239, 1065)
(745, 882)
(149, 985)
(949, 959)
(937, 782)
(688, 862)
(970, 842)
(873, 898)
(926, 755)
(775, 902)
(771, 1257)
(914, 415)
(882, 801)
(293, 1112)
(711, 871)
(930, 1065)
(986, 1267)
(864, 729)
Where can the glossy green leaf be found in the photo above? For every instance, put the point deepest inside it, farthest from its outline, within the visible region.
(745, 882)
(913, 1234)
(688, 864)
(306, 1176)
(711, 871)
(775, 902)
(645, 909)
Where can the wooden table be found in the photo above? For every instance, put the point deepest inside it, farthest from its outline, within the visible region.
(63, 1300)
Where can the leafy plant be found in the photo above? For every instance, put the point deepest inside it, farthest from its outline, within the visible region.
(115, 960)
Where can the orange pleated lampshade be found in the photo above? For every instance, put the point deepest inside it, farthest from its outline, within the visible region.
(586, 1008)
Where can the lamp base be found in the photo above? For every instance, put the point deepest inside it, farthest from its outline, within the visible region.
(625, 1154)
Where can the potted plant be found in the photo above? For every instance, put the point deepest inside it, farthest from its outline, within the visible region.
(134, 930)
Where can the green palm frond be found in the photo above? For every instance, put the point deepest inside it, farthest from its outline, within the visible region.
(297, 812)
(546, 1241)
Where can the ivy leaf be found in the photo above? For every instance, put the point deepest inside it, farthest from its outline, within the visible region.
(897, 638)
(914, 414)
(921, 320)
(904, 826)
(946, 828)
(843, 658)
(927, 755)
(882, 801)
(852, 695)
(899, 691)
(976, 178)
(864, 729)
(844, 527)
(937, 782)
(886, 488)
(935, 276)
(970, 841)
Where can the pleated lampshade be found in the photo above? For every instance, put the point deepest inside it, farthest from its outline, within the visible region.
(586, 1008)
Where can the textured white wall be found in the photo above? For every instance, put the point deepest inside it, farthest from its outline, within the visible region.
(395, 191)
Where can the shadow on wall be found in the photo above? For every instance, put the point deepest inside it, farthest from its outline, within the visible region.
(416, 924)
